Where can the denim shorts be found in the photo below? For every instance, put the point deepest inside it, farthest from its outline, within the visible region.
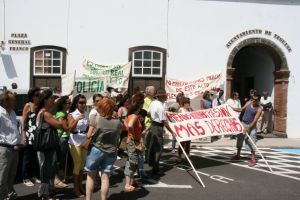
(98, 160)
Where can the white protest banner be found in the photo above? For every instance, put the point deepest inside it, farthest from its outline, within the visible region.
(88, 86)
(116, 76)
(67, 83)
(194, 88)
(216, 121)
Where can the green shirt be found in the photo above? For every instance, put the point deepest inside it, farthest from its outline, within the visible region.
(147, 102)
(61, 132)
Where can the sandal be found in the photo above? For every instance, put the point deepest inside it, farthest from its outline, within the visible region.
(129, 188)
(235, 157)
(60, 184)
(135, 184)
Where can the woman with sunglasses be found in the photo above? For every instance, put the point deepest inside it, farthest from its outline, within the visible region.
(78, 126)
(60, 111)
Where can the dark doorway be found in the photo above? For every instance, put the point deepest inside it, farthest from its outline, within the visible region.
(258, 63)
(242, 86)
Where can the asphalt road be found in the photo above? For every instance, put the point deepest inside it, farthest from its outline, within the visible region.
(223, 179)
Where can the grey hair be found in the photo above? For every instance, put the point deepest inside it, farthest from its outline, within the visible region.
(4, 96)
(149, 88)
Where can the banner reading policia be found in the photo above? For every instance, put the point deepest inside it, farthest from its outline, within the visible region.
(95, 78)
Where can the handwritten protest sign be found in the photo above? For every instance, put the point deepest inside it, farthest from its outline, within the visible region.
(88, 86)
(67, 83)
(116, 76)
(216, 121)
(194, 88)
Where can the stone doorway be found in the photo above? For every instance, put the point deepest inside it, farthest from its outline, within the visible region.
(263, 56)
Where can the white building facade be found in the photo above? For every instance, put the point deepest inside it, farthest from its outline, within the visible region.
(255, 44)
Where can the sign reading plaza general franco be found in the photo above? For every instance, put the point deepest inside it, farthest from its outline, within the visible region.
(116, 76)
(19, 42)
(216, 121)
(194, 88)
(259, 32)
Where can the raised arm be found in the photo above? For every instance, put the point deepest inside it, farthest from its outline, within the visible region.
(48, 117)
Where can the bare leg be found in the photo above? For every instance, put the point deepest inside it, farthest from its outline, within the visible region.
(89, 187)
(253, 157)
(104, 185)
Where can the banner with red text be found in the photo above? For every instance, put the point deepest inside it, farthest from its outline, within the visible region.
(216, 121)
(194, 88)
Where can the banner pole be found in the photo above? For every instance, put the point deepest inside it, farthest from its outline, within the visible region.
(190, 163)
(259, 152)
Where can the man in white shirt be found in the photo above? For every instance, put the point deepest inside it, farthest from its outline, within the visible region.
(263, 121)
(234, 102)
(10, 141)
(159, 120)
(219, 99)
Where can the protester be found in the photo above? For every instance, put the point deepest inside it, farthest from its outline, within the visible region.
(158, 122)
(219, 100)
(251, 93)
(206, 102)
(134, 136)
(103, 151)
(122, 113)
(78, 125)
(252, 112)
(29, 164)
(139, 99)
(10, 142)
(186, 145)
(60, 112)
(174, 107)
(234, 102)
(96, 99)
(150, 94)
(47, 158)
(263, 120)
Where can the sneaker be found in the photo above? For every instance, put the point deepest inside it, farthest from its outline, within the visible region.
(235, 157)
(36, 180)
(251, 163)
(173, 151)
(28, 183)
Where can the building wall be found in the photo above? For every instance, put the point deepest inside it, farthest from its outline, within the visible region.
(194, 32)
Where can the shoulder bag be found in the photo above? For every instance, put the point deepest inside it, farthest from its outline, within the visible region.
(45, 139)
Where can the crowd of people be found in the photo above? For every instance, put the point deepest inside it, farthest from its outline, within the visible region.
(117, 124)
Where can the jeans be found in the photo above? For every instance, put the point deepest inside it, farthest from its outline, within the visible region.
(62, 152)
(47, 164)
(98, 160)
(242, 136)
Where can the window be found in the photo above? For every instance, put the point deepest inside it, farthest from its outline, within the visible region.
(147, 63)
(47, 62)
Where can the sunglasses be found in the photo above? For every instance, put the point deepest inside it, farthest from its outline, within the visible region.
(67, 103)
(82, 102)
(37, 94)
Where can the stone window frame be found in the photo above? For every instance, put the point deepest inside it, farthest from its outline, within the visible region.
(42, 47)
(152, 49)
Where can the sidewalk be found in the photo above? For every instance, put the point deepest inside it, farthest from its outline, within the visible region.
(263, 142)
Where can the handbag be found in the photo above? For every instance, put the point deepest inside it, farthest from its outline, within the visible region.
(45, 139)
(139, 145)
